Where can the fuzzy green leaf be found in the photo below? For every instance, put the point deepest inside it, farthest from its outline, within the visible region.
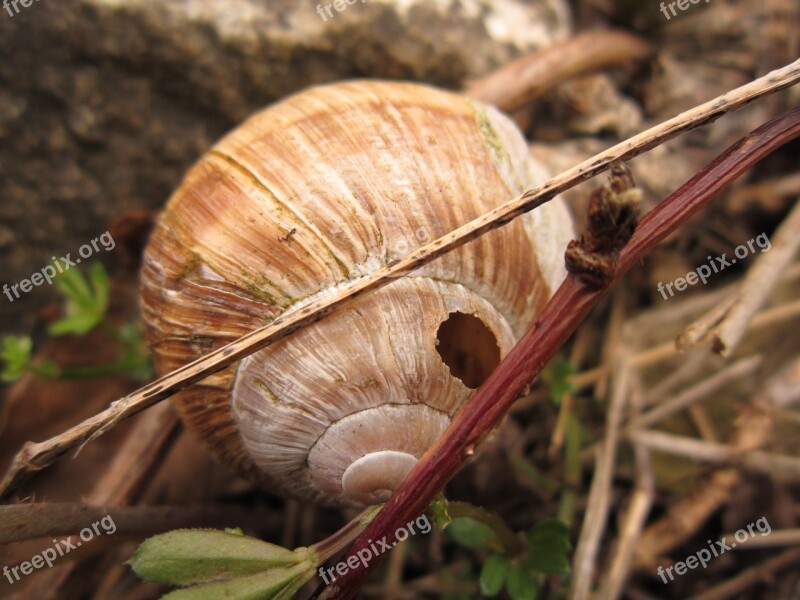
(277, 583)
(493, 575)
(188, 556)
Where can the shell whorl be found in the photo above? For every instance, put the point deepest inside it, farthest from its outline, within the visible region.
(317, 190)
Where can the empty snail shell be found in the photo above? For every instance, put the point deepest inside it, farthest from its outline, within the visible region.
(317, 190)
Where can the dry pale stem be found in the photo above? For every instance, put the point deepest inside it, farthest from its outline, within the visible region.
(704, 389)
(749, 577)
(729, 321)
(777, 466)
(759, 283)
(120, 484)
(767, 194)
(19, 522)
(660, 352)
(753, 428)
(775, 539)
(633, 522)
(600, 496)
(529, 77)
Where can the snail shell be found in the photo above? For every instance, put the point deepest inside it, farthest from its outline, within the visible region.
(313, 192)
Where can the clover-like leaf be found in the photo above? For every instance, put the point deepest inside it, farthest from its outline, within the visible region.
(473, 534)
(493, 575)
(15, 353)
(521, 584)
(550, 545)
(86, 301)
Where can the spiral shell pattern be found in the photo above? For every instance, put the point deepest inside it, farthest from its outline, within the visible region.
(315, 191)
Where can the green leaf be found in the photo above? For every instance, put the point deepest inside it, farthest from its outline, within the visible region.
(520, 583)
(187, 556)
(85, 306)
(274, 584)
(550, 545)
(556, 378)
(472, 534)
(493, 575)
(15, 353)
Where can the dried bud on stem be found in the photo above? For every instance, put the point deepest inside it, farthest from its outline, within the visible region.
(613, 214)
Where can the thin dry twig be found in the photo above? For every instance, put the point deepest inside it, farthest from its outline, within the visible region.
(612, 583)
(121, 482)
(741, 368)
(633, 522)
(752, 430)
(750, 577)
(758, 284)
(585, 561)
(138, 457)
(519, 82)
(36, 456)
(696, 331)
(776, 538)
(20, 522)
(729, 322)
(655, 354)
(777, 466)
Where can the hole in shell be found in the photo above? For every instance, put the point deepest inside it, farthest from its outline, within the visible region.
(468, 347)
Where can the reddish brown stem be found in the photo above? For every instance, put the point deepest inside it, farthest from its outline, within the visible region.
(561, 317)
